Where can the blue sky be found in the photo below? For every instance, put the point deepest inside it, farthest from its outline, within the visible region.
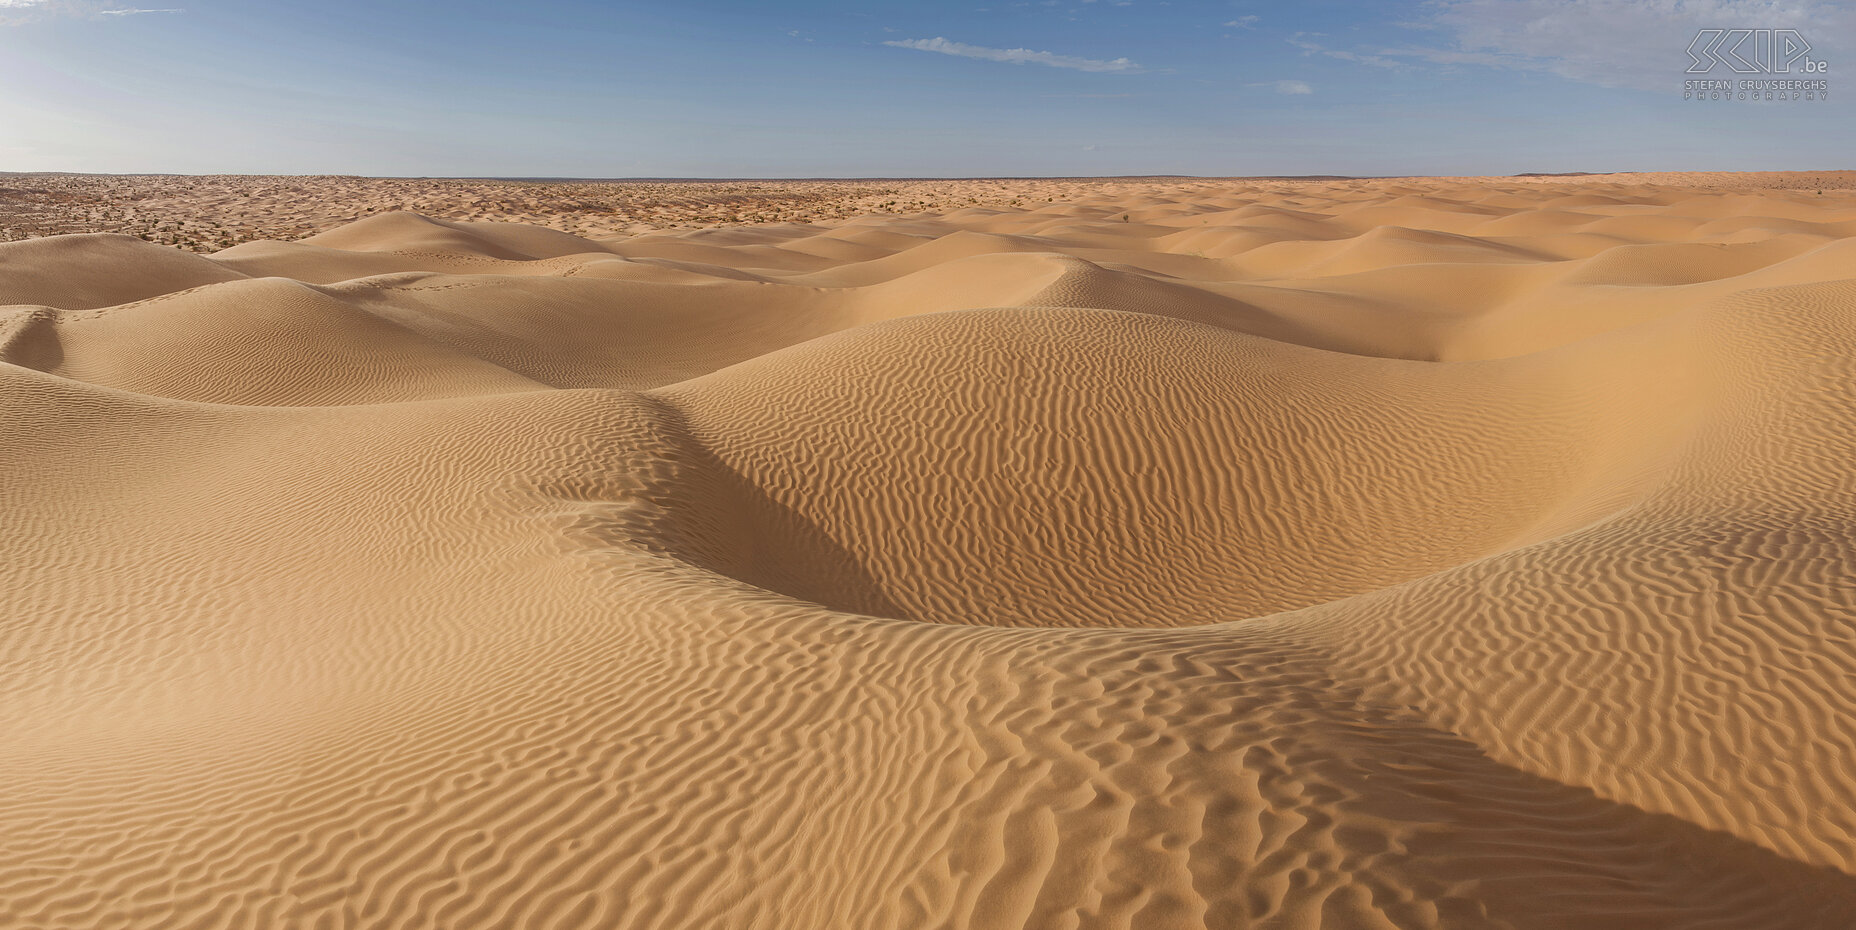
(832, 88)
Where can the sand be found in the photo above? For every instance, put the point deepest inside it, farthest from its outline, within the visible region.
(211, 212)
(1147, 553)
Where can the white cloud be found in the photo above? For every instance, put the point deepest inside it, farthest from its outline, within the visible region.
(1613, 43)
(1017, 56)
(1243, 22)
(16, 12)
(1300, 40)
(1287, 88)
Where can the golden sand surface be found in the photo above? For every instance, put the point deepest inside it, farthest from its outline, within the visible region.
(1146, 553)
(206, 213)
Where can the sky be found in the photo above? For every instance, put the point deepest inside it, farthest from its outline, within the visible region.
(833, 88)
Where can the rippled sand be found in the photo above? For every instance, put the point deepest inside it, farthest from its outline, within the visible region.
(1357, 554)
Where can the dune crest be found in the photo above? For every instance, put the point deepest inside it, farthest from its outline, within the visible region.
(1382, 554)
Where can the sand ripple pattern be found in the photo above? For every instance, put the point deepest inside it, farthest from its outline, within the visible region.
(1390, 554)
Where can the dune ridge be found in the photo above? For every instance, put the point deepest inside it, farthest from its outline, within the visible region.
(1448, 553)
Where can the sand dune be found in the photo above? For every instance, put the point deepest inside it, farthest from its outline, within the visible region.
(1451, 553)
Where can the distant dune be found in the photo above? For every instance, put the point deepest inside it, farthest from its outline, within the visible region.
(1157, 553)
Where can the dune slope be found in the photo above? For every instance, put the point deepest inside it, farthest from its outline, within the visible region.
(1391, 554)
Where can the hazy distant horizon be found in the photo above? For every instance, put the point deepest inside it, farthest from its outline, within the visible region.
(747, 179)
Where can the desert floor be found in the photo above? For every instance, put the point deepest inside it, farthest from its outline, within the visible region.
(1145, 553)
